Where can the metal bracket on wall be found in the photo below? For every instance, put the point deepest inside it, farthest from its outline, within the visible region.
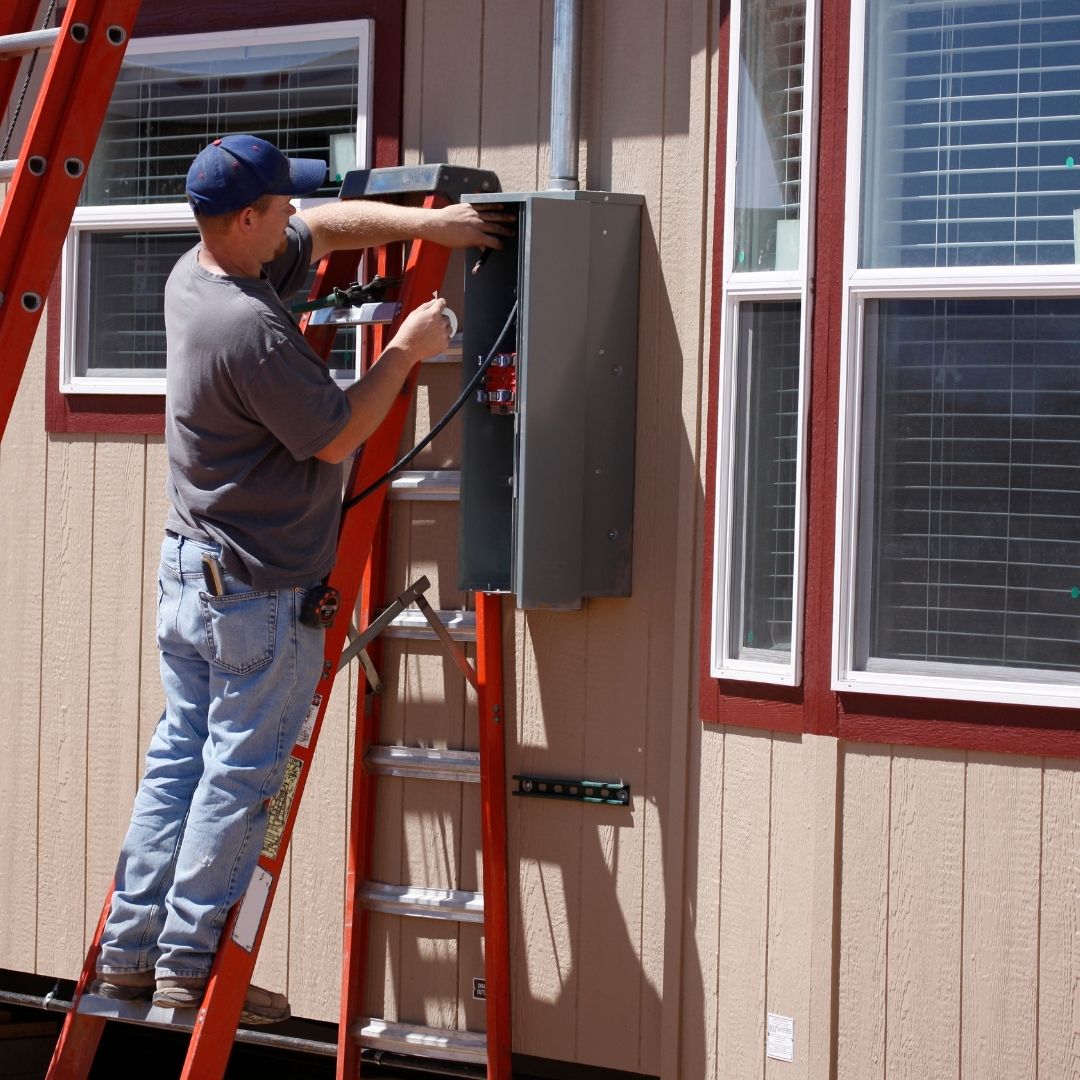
(612, 792)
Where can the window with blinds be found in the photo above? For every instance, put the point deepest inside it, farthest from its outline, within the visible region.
(972, 143)
(759, 476)
(769, 137)
(973, 529)
(765, 477)
(306, 89)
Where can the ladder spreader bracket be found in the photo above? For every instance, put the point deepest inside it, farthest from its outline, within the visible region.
(361, 641)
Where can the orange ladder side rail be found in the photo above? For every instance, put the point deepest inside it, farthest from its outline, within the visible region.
(492, 719)
(219, 1014)
(56, 152)
(218, 1017)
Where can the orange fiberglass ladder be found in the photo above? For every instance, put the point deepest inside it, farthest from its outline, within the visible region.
(358, 575)
(86, 51)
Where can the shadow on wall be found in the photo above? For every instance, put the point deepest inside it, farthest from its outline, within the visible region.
(601, 896)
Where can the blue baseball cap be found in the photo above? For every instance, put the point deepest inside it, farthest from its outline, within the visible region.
(233, 172)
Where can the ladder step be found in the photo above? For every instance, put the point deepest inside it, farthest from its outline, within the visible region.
(437, 485)
(357, 315)
(451, 904)
(424, 763)
(470, 1046)
(412, 624)
(137, 1012)
(28, 42)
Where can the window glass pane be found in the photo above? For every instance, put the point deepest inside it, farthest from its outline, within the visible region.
(972, 133)
(125, 334)
(122, 279)
(166, 107)
(763, 492)
(973, 422)
(769, 137)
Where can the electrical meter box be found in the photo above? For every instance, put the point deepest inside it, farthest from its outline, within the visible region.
(547, 471)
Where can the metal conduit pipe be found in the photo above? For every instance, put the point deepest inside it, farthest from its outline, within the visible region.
(565, 96)
(243, 1035)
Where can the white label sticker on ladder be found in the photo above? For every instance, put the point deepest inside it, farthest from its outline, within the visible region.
(249, 916)
(304, 738)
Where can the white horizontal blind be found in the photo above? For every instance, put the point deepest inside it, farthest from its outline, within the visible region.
(972, 151)
(302, 95)
(766, 474)
(124, 276)
(167, 107)
(973, 422)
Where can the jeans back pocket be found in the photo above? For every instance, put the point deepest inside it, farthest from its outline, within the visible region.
(240, 630)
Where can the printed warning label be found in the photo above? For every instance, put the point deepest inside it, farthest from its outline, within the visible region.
(479, 989)
(278, 813)
(780, 1037)
(304, 738)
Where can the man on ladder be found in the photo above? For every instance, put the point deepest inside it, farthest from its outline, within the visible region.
(256, 429)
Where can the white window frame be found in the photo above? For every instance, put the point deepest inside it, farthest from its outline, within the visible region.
(897, 677)
(742, 287)
(178, 216)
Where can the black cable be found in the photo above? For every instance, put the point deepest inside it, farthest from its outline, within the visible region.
(451, 412)
(26, 83)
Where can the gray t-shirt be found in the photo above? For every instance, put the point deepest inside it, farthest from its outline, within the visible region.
(247, 405)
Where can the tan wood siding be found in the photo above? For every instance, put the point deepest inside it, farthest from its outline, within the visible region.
(916, 913)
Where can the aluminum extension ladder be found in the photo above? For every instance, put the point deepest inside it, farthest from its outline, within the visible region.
(359, 572)
(86, 51)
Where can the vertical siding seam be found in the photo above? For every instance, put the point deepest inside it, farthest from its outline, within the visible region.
(642, 875)
(837, 935)
(86, 714)
(963, 896)
(40, 710)
(888, 907)
(719, 899)
(768, 902)
(1038, 913)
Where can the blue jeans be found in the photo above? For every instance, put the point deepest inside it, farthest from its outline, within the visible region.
(238, 672)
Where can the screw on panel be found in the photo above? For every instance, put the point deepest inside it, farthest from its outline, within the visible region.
(31, 301)
(616, 369)
(116, 35)
(79, 33)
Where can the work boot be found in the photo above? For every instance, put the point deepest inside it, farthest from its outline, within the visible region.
(186, 992)
(124, 985)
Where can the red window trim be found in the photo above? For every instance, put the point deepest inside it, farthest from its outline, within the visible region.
(144, 414)
(815, 707)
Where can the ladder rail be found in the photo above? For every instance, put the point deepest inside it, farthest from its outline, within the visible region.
(36, 214)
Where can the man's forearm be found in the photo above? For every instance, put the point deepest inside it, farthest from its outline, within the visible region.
(352, 225)
(355, 224)
(370, 400)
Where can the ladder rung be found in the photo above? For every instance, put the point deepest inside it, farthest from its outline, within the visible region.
(32, 40)
(136, 1012)
(452, 904)
(436, 485)
(412, 624)
(424, 763)
(423, 1041)
(358, 315)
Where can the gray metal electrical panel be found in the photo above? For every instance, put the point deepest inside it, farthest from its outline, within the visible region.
(547, 473)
